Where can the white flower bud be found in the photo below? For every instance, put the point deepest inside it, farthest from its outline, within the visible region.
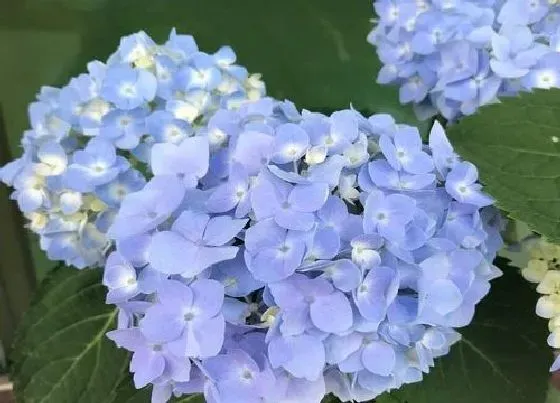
(316, 155)
(37, 221)
(548, 306)
(535, 270)
(70, 202)
(550, 284)
(554, 323)
(554, 339)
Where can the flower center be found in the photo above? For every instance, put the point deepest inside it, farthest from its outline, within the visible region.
(247, 375)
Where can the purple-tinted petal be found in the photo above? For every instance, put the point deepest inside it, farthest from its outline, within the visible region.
(221, 230)
(191, 225)
(208, 297)
(332, 314)
(443, 296)
(344, 274)
(147, 366)
(173, 293)
(339, 348)
(333, 213)
(264, 234)
(308, 198)
(294, 321)
(135, 249)
(294, 220)
(210, 336)
(326, 244)
(302, 356)
(379, 358)
(206, 257)
(161, 325)
(132, 339)
(170, 253)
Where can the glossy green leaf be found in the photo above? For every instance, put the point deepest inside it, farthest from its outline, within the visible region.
(61, 354)
(503, 357)
(516, 146)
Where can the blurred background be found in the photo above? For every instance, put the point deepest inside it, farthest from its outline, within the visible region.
(313, 52)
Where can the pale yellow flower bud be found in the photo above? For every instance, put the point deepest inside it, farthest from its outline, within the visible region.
(545, 250)
(269, 316)
(37, 221)
(535, 270)
(315, 155)
(548, 306)
(94, 204)
(554, 339)
(550, 284)
(554, 323)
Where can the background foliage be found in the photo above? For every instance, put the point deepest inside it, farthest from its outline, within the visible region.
(516, 146)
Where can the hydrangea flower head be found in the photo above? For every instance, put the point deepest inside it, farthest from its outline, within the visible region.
(90, 141)
(301, 254)
(451, 57)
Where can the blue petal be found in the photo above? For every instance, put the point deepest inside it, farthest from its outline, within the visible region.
(170, 253)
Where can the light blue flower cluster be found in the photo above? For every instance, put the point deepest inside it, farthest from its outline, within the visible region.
(299, 255)
(453, 56)
(90, 141)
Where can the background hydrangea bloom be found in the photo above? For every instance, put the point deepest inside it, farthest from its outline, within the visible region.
(248, 274)
(543, 269)
(89, 142)
(451, 57)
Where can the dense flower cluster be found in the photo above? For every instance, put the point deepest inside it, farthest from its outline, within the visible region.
(544, 269)
(453, 56)
(90, 140)
(278, 256)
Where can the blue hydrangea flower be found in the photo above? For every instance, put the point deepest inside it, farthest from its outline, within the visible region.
(90, 142)
(189, 317)
(270, 259)
(194, 243)
(127, 87)
(452, 57)
(308, 303)
(237, 377)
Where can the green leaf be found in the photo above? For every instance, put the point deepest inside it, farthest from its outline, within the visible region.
(516, 146)
(503, 357)
(61, 354)
(82, 5)
(553, 395)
